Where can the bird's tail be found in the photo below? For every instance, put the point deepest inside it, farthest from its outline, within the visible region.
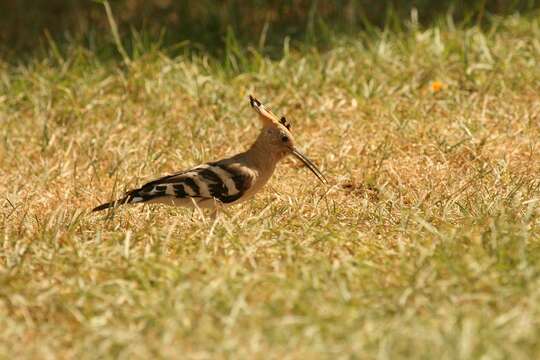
(131, 197)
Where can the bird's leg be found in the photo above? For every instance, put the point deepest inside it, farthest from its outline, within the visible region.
(214, 215)
(196, 208)
(217, 210)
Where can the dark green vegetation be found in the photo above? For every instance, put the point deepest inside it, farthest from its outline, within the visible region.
(210, 25)
(425, 245)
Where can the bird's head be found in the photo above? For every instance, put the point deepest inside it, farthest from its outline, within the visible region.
(277, 137)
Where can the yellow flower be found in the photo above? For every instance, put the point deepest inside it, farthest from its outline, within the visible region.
(437, 86)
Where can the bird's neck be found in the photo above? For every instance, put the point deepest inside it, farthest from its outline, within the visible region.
(261, 155)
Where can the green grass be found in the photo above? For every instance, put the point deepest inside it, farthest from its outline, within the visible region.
(424, 245)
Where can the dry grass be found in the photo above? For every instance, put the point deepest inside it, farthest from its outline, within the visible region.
(425, 245)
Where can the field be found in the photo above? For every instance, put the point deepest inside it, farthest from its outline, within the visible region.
(425, 244)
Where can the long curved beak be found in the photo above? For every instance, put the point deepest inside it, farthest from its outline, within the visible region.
(310, 165)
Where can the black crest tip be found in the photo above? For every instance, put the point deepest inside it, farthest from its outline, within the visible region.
(285, 123)
(254, 102)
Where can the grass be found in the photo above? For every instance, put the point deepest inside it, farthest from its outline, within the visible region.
(425, 245)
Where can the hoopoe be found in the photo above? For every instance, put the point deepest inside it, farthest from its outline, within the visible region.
(228, 181)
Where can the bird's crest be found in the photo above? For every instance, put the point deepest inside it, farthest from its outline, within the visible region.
(285, 123)
(267, 117)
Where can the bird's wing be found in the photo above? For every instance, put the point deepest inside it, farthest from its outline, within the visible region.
(224, 182)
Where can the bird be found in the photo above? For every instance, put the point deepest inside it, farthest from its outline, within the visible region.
(228, 181)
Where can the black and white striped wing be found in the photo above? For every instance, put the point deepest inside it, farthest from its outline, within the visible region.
(214, 181)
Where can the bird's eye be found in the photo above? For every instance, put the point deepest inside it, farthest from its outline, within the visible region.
(285, 139)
